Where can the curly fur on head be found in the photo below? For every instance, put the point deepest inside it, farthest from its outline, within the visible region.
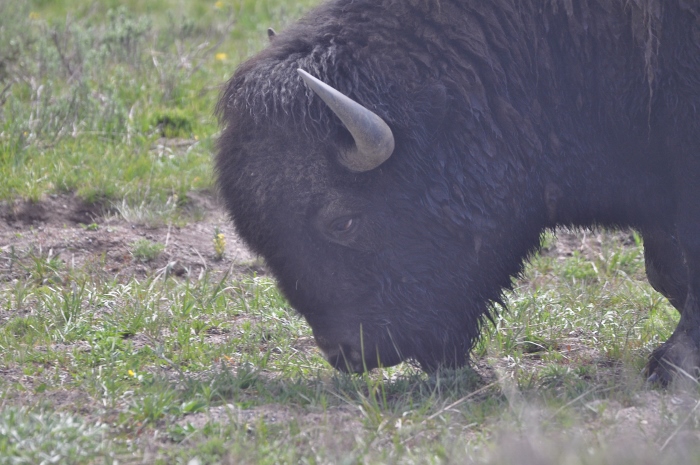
(268, 88)
(388, 82)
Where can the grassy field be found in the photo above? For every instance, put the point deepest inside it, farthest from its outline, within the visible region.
(136, 328)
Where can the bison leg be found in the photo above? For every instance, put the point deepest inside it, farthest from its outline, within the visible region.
(679, 135)
(679, 357)
(666, 270)
(668, 274)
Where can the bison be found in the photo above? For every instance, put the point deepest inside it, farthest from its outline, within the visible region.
(395, 162)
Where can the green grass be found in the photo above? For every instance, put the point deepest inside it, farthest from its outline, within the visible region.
(44, 437)
(112, 102)
(146, 251)
(90, 89)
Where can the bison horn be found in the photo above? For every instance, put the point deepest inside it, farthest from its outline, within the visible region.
(374, 141)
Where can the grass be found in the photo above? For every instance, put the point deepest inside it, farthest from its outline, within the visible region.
(46, 437)
(146, 251)
(89, 90)
(112, 102)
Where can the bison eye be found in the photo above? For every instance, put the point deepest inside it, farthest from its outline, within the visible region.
(343, 225)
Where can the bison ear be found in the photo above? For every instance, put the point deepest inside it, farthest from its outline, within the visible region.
(271, 34)
(374, 141)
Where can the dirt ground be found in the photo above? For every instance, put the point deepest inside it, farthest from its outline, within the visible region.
(63, 226)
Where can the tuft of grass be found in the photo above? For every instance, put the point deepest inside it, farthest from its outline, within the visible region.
(146, 251)
(49, 437)
(173, 123)
(150, 214)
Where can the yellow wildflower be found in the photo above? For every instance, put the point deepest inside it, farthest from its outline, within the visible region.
(219, 244)
(220, 56)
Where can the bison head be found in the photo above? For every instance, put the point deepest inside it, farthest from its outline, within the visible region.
(380, 206)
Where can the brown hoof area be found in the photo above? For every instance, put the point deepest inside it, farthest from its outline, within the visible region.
(654, 379)
(674, 361)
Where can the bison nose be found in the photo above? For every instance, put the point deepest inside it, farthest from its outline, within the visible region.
(345, 354)
(345, 358)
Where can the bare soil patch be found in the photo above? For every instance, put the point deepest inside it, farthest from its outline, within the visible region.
(77, 233)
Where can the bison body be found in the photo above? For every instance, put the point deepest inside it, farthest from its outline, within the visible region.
(508, 117)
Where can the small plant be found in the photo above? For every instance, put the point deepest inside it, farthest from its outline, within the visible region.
(172, 123)
(45, 269)
(48, 437)
(219, 244)
(90, 227)
(146, 251)
(153, 406)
